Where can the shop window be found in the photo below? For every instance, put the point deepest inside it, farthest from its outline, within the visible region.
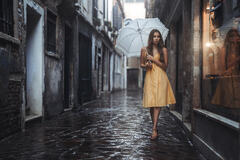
(6, 17)
(51, 32)
(221, 66)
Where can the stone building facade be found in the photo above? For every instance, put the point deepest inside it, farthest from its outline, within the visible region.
(55, 55)
(203, 45)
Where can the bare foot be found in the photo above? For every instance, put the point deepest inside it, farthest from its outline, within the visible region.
(154, 134)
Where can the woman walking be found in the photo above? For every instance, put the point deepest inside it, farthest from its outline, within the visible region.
(157, 90)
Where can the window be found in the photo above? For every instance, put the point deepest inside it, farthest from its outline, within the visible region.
(51, 32)
(118, 64)
(95, 7)
(6, 17)
(221, 64)
(85, 5)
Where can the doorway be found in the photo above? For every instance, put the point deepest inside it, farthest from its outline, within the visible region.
(179, 69)
(132, 78)
(99, 63)
(85, 68)
(34, 60)
(105, 71)
(67, 55)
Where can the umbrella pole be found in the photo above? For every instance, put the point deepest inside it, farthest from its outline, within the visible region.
(139, 31)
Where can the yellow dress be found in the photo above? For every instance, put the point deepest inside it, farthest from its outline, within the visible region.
(157, 91)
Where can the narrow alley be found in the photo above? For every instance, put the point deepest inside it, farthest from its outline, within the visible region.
(114, 127)
(77, 76)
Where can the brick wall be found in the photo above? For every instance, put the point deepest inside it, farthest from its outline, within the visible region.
(12, 76)
(10, 119)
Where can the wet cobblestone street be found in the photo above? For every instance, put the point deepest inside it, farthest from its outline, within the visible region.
(115, 127)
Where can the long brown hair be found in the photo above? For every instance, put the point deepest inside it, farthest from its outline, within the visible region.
(229, 35)
(150, 42)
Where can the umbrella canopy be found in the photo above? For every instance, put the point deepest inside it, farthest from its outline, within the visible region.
(134, 36)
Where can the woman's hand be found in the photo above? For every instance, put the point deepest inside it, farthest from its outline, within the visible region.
(149, 57)
(148, 65)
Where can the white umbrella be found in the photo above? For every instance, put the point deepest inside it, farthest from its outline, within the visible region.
(134, 36)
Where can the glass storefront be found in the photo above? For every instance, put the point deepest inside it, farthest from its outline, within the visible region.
(221, 57)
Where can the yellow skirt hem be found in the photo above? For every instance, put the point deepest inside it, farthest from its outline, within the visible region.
(159, 105)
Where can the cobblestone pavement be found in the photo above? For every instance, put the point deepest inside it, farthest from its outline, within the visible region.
(115, 127)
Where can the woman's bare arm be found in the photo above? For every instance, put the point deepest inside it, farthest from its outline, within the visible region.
(142, 58)
(165, 53)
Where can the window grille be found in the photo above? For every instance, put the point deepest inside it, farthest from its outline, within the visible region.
(6, 17)
(96, 56)
(51, 32)
(95, 8)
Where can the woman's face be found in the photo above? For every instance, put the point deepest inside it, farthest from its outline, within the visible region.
(156, 38)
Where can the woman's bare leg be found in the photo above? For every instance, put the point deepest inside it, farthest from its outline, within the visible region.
(156, 112)
(151, 113)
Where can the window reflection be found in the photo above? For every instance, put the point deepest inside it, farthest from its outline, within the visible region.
(220, 89)
(227, 91)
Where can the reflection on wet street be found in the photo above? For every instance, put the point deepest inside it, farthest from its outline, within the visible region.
(114, 127)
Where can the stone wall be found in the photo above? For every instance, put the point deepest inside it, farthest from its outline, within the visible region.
(10, 115)
(12, 72)
(133, 62)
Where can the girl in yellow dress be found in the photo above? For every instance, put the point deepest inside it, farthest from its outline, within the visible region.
(157, 90)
